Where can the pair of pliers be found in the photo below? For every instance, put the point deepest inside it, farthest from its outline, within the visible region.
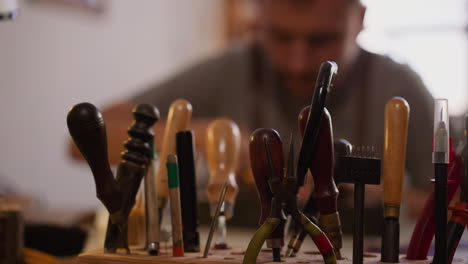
(284, 200)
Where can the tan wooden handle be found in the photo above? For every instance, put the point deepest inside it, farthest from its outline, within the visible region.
(178, 119)
(395, 137)
(223, 141)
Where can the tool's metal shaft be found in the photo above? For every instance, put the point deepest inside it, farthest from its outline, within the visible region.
(152, 212)
(215, 219)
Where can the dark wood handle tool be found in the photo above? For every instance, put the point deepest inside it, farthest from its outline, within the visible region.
(88, 130)
(261, 172)
(131, 170)
(325, 193)
(342, 148)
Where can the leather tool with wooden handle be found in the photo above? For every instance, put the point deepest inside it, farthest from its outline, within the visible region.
(261, 171)
(178, 119)
(88, 130)
(132, 168)
(395, 137)
(223, 140)
(322, 167)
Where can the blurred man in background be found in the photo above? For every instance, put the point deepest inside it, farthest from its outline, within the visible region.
(267, 81)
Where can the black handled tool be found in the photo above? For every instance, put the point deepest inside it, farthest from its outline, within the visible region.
(327, 71)
(440, 159)
(360, 168)
(261, 170)
(188, 190)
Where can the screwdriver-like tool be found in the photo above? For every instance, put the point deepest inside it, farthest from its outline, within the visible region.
(223, 141)
(395, 135)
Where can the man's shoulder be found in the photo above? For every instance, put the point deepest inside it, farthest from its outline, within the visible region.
(383, 63)
(393, 75)
(197, 82)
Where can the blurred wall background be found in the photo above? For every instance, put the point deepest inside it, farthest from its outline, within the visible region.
(54, 56)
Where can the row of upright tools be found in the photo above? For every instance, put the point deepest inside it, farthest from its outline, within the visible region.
(276, 178)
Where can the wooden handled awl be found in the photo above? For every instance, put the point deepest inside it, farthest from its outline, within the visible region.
(396, 132)
(222, 152)
(322, 168)
(261, 171)
(88, 130)
(178, 119)
(86, 127)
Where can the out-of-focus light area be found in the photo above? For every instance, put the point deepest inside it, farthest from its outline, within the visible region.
(430, 36)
